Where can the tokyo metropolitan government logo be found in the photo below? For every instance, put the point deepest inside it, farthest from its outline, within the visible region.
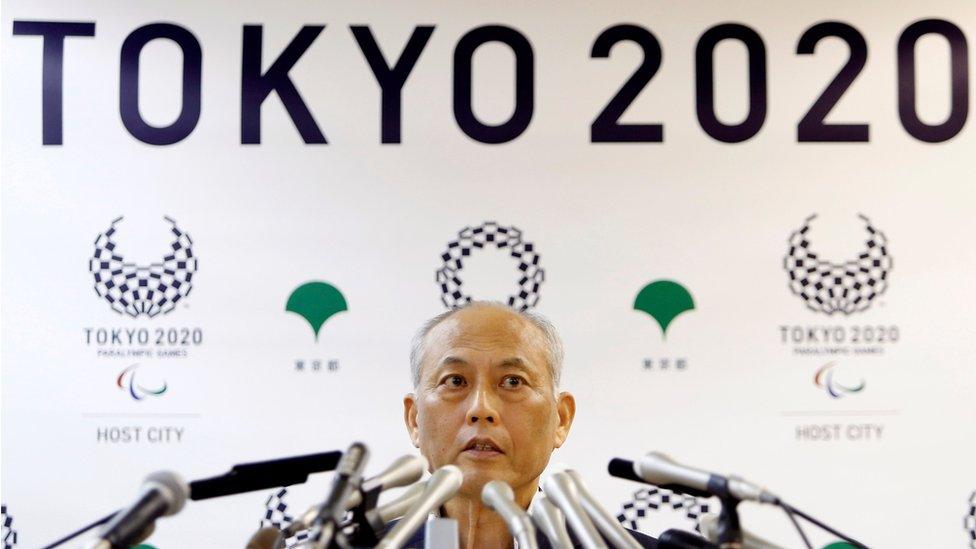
(847, 287)
(530, 274)
(143, 290)
(316, 302)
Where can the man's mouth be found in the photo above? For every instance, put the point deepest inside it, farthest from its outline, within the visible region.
(482, 446)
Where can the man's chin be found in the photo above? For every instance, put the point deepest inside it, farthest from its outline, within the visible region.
(477, 474)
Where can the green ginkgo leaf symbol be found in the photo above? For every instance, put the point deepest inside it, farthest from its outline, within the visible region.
(664, 300)
(316, 302)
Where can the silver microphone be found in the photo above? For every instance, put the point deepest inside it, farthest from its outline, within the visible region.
(561, 489)
(499, 496)
(607, 524)
(399, 506)
(163, 494)
(443, 484)
(403, 471)
(659, 469)
(551, 521)
(345, 485)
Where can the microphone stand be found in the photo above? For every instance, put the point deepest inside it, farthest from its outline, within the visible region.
(366, 532)
(244, 477)
(729, 528)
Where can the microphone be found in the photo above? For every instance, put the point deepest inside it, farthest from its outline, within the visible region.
(442, 485)
(561, 489)
(626, 469)
(710, 528)
(551, 521)
(657, 468)
(163, 494)
(398, 507)
(405, 470)
(265, 538)
(347, 478)
(261, 475)
(606, 523)
(499, 496)
(679, 539)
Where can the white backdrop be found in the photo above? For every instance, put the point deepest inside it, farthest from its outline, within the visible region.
(891, 463)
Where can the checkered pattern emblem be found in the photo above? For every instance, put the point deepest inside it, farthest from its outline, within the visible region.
(651, 499)
(143, 290)
(844, 288)
(488, 234)
(969, 522)
(276, 515)
(9, 535)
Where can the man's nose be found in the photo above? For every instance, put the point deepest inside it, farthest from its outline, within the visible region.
(483, 407)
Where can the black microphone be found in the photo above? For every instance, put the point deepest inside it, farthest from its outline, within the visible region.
(679, 539)
(262, 475)
(625, 469)
(163, 494)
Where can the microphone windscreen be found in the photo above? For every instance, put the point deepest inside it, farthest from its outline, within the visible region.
(174, 489)
(265, 538)
(679, 539)
(623, 468)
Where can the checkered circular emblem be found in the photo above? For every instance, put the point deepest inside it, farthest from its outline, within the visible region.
(9, 535)
(276, 515)
(488, 234)
(651, 499)
(969, 522)
(847, 287)
(143, 290)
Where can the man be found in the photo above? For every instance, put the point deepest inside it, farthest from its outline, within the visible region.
(486, 399)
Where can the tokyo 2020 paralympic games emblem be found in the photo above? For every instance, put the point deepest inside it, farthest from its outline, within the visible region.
(9, 535)
(143, 290)
(838, 287)
(276, 515)
(530, 274)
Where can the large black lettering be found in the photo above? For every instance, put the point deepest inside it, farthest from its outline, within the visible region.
(129, 84)
(391, 79)
(256, 86)
(524, 84)
(958, 75)
(705, 83)
(52, 69)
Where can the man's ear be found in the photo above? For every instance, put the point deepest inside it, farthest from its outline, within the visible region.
(410, 418)
(566, 410)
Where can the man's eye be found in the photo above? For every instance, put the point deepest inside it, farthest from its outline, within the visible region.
(454, 381)
(513, 382)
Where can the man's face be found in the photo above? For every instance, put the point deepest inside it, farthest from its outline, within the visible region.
(486, 399)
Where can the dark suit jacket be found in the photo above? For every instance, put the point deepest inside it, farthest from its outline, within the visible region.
(417, 541)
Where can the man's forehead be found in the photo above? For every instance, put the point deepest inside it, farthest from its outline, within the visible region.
(486, 329)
